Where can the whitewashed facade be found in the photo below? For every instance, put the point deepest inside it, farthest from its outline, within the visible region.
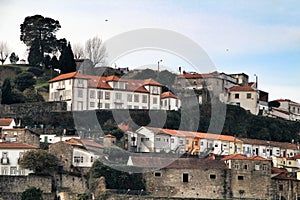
(11, 153)
(83, 92)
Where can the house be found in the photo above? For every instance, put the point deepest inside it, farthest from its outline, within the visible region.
(85, 92)
(285, 109)
(267, 149)
(53, 138)
(234, 176)
(151, 139)
(170, 101)
(11, 153)
(250, 176)
(7, 123)
(73, 154)
(21, 135)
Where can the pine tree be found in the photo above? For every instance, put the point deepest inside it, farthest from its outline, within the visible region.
(6, 92)
(66, 60)
(35, 56)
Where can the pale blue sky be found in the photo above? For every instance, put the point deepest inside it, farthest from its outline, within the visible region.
(250, 36)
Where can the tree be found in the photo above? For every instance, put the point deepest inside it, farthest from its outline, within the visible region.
(24, 80)
(32, 193)
(54, 63)
(47, 61)
(31, 95)
(4, 52)
(39, 161)
(13, 58)
(95, 50)
(35, 56)
(40, 30)
(6, 92)
(66, 60)
(78, 51)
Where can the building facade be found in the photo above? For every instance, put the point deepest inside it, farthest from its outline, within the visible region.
(85, 92)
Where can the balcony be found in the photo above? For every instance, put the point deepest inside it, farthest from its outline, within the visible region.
(60, 87)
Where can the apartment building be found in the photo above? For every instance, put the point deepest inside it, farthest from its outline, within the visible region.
(85, 92)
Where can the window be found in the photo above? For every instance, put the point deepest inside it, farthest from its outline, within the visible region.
(216, 145)
(92, 104)
(236, 165)
(129, 97)
(154, 90)
(4, 155)
(144, 100)
(92, 159)
(245, 166)
(181, 141)
(186, 142)
(119, 96)
(136, 98)
(256, 167)
(77, 159)
(13, 170)
(107, 95)
(240, 178)
(107, 106)
(248, 95)
(100, 95)
(185, 177)
(212, 176)
(154, 100)
(157, 174)
(80, 93)
(99, 105)
(157, 139)
(92, 94)
(264, 167)
(4, 170)
(280, 187)
(172, 140)
(201, 143)
(136, 107)
(236, 96)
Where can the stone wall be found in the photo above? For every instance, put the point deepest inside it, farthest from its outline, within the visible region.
(285, 189)
(64, 153)
(201, 183)
(71, 184)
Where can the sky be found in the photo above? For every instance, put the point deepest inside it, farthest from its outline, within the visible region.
(245, 36)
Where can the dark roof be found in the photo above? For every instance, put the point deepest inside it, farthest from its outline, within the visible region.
(196, 163)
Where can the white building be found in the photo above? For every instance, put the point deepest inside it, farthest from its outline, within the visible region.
(7, 123)
(84, 92)
(170, 101)
(287, 109)
(52, 138)
(11, 153)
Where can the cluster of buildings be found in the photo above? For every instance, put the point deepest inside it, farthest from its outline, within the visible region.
(179, 163)
(87, 92)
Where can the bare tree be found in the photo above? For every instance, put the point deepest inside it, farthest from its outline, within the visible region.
(78, 51)
(95, 50)
(4, 52)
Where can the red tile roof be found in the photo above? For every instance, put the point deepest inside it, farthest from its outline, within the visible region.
(241, 88)
(15, 145)
(6, 121)
(102, 82)
(168, 95)
(283, 145)
(199, 76)
(68, 76)
(234, 157)
(286, 100)
(194, 134)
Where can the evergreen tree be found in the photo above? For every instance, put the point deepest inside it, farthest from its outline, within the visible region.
(6, 92)
(32, 193)
(13, 58)
(66, 60)
(54, 63)
(35, 56)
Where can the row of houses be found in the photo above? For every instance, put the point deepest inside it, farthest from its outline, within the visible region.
(151, 139)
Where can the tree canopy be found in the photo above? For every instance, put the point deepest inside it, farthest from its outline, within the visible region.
(24, 80)
(6, 92)
(13, 58)
(66, 60)
(32, 193)
(41, 30)
(39, 161)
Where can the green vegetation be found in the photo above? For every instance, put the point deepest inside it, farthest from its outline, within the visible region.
(32, 193)
(40, 161)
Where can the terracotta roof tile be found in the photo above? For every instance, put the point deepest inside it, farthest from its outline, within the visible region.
(234, 157)
(283, 145)
(286, 100)
(15, 145)
(241, 88)
(168, 95)
(6, 121)
(151, 82)
(68, 76)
